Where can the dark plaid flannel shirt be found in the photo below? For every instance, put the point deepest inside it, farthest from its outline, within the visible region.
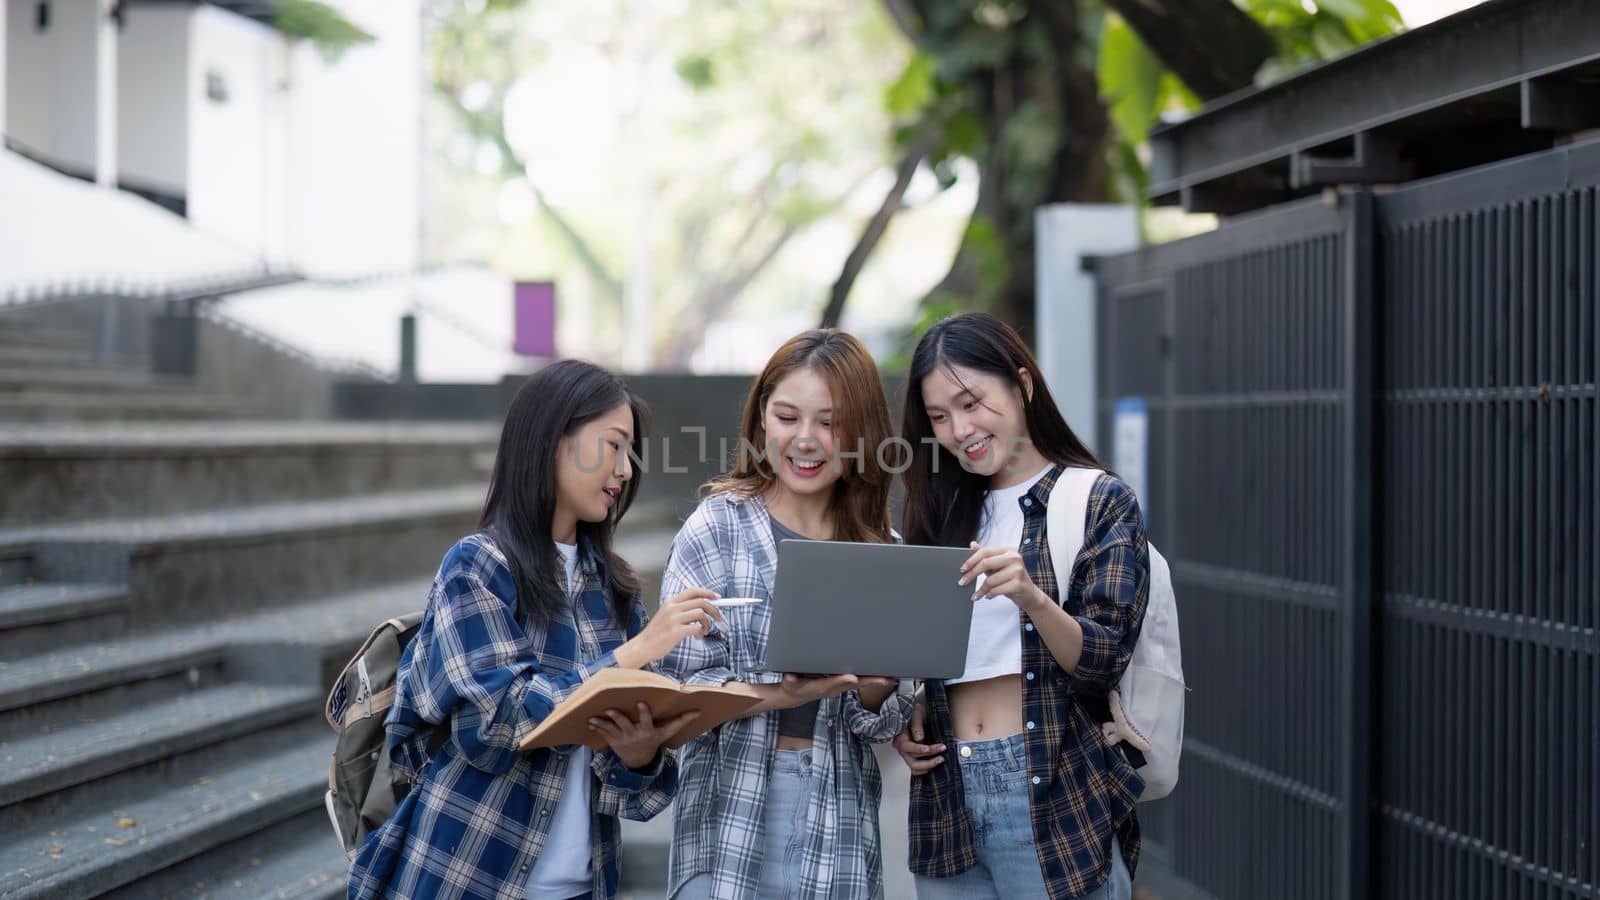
(1083, 790)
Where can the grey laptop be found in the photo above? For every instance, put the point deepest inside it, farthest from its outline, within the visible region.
(869, 609)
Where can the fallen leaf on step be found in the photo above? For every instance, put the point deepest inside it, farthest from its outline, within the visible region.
(116, 842)
(126, 822)
(255, 863)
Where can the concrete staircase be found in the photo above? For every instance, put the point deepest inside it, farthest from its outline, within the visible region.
(51, 375)
(174, 600)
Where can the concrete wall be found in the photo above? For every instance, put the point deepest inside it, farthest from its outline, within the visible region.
(228, 187)
(1065, 300)
(153, 97)
(50, 81)
(676, 463)
(5, 22)
(353, 158)
(269, 378)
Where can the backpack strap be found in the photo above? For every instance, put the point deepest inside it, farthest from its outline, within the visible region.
(1066, 522)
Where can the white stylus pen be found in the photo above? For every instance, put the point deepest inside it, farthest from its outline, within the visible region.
(736, 601)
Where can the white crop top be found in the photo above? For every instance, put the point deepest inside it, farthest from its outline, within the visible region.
(995, 646)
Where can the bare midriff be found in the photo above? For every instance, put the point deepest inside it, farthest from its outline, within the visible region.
(794, 743)
(986, 710)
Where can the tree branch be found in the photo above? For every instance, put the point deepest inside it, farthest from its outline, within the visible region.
(710, 304)
(489, 124)
(878, 224)
(905, 17)
(1213, 46)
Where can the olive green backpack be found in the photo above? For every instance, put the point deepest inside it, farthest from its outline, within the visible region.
(363, 790)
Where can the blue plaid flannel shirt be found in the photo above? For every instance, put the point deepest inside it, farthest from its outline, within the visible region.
(1083, 789)
(479, 811)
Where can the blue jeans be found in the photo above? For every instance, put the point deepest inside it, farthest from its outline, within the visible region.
(783, 830)
(994, 775)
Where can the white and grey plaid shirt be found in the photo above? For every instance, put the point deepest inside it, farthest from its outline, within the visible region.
(726, 546)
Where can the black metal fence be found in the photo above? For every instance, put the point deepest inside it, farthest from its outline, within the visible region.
(1374, 464)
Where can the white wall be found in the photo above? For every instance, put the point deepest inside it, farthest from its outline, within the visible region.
(1065, 298)
(50, 83)
(153, 96)
(227, 142)
(3, 23)
(354, 159)
(310, 164)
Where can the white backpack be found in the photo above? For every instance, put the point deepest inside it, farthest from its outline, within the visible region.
(1147, 705)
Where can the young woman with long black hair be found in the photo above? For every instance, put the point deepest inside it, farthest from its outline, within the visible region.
(520, 614)
(1015, 791)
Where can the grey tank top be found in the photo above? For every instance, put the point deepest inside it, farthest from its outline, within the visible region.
(801, 721)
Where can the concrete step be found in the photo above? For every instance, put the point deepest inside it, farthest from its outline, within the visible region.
(102, 836)
(96, 380)
(16, 565)
(72, 672)
(26, 356)
(17, 330)
(66, 473)
(184, 567)
(57, 756)
(38, 617)
(294, 646)
(296, 859)
(68, 406)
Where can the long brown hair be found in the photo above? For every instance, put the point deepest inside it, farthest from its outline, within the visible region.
(944, 500)
(860, 502)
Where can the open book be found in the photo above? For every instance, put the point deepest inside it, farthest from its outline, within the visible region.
(623, 690)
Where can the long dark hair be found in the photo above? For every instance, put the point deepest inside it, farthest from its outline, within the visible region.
(944, 501)
(553, 403)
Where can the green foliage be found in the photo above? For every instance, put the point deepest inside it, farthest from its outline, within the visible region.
(697, 71)
(1138, 89)
(771, 115)
(1332, 28)
(911, 93)
(1130, 79)
(328, 31)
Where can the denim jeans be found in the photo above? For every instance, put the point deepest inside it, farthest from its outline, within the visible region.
(783, 829)
(995, 777)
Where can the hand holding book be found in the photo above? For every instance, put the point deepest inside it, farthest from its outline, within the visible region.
(637, 742)
(613, 694)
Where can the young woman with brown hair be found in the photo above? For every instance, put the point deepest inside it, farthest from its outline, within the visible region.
(784, 802)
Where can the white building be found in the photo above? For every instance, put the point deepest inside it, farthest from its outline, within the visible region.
(311, 166)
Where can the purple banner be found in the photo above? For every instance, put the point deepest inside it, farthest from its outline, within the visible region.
(535, 319)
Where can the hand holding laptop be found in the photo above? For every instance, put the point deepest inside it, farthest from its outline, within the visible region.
(803, 689)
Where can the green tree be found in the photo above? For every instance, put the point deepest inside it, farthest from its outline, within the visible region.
(756, 128)
(328, 31)
(1053, 101)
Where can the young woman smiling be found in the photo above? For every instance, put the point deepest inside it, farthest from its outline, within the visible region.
(784, 802)
(1032, 802)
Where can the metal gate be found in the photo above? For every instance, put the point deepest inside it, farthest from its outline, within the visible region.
(1372, 462)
